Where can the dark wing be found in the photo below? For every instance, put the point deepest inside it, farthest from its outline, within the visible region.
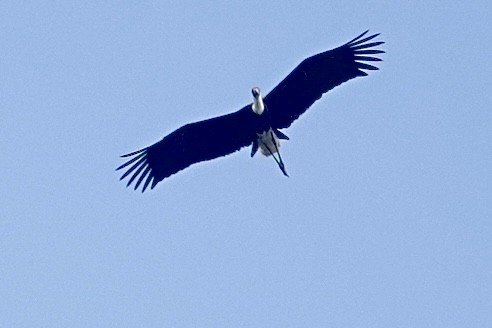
(191, 143)
(317, 75)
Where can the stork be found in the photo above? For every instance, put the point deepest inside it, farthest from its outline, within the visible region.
(258, 123)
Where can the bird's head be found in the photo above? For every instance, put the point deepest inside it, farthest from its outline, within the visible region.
(256, 92)
(258, 107)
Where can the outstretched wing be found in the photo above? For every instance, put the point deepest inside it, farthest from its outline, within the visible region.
(191, 143)
(318, 74)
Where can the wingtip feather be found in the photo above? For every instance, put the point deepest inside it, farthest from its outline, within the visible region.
(130, 161)
(356, 38)
(135, 152)
(137, 172)
(142, 176)
(369, 52)
(146, 184)
(131, 169)
(356, 42)
(367, 45)
(367, 58)
(367, 66)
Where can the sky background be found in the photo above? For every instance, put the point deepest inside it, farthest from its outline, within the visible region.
(385, 221)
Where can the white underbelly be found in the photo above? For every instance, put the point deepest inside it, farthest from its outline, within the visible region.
(270, 140)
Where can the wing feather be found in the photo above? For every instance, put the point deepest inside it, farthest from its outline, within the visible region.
(356, 41)
(142, 176)
(132, 160)
(136, 173)
(366, 58)
(368, 52)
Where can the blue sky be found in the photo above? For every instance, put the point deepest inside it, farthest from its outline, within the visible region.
(385, 221)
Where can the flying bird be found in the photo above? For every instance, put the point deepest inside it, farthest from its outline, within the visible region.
(257, 124)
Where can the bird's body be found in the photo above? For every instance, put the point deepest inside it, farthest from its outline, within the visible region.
(256, 124)
(269, 143)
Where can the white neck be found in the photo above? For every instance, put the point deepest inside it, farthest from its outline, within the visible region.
(258, 106)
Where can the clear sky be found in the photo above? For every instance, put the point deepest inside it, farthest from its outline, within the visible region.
(385, 221)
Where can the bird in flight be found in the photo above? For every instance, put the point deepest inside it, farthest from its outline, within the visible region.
(257, 124)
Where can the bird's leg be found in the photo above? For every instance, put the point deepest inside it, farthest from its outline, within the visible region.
(280, 165)
(279, 162)
(268, 148)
